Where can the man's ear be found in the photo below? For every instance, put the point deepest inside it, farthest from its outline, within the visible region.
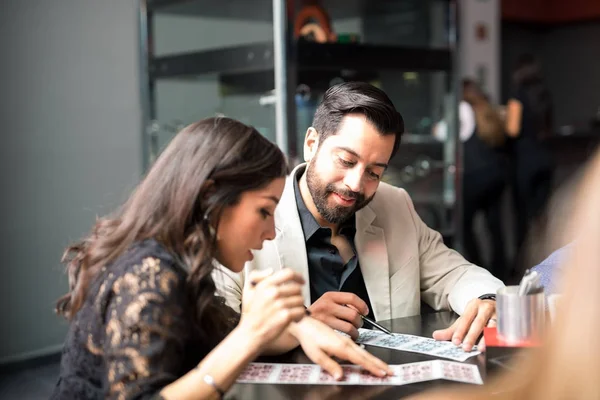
(311, 143)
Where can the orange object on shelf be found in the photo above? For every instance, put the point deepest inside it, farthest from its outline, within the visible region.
(313, 21)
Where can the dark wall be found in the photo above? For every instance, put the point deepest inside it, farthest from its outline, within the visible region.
(570, 55)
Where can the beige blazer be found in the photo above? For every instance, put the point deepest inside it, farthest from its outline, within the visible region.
(401, 259)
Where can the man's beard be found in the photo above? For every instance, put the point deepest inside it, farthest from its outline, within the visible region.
(320, 193)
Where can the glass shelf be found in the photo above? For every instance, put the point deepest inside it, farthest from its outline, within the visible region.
(210, 57)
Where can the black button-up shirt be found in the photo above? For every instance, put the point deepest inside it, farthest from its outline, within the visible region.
(326, 268)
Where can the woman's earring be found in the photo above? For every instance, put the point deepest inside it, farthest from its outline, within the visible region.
(211, 230)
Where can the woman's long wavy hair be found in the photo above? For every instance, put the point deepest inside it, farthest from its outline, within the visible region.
(489, 125)
(205, 168)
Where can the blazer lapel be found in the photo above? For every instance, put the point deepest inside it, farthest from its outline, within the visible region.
(374, 265)
(291, 245)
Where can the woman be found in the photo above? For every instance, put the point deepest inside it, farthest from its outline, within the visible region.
(568, 365)
(144, 318)
(484, 177)
(528, 122)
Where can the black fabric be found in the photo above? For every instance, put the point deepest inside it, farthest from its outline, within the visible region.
(484, 181)
(134, 334)
(531, 170)
(530, 153)
(483, 191)
(477, 155)
(326, 268)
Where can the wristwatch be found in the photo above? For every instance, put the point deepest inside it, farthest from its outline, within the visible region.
(489, 296)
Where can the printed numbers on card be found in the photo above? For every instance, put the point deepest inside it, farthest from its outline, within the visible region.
(257, 373)
(426, 346)
(394, 341)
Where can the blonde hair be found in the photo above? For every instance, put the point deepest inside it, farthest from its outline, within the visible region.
(489, 125)
(567, 366)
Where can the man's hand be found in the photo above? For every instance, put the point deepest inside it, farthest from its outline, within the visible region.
(468, 327)
(340, 310)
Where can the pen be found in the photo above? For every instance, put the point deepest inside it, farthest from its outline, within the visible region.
(373, 323)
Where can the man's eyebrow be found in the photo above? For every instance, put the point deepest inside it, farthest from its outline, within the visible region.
(354, 153)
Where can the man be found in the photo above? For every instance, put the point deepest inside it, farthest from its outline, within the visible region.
(359, 242)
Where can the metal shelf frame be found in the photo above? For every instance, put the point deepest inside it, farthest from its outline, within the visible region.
(285, 59)
(310, 56)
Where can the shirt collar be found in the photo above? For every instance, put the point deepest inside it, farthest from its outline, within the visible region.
(310, 226)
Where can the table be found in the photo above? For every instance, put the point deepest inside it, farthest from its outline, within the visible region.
(422, 325)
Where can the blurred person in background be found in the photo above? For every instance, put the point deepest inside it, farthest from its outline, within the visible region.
(528, 122)
(567, 366)
(484, 176)
(144, 318)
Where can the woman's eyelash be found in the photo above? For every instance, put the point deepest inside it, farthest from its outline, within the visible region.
(346, 162)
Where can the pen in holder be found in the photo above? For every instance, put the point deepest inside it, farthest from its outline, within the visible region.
(521, 317)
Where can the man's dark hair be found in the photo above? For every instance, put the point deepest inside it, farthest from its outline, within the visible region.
(358, 98)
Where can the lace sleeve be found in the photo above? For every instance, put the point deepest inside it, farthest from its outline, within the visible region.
(146, 331)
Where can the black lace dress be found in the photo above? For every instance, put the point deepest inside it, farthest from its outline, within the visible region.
(133, 335)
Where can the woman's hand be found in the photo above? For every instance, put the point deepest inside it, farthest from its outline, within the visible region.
(320, 343)
(270, 303)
